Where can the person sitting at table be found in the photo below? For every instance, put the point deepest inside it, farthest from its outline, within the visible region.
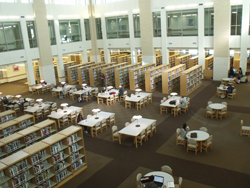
(230, 89)
(80, 118)
(103, 89)
(184, 131)
(121, 91)
(231, 72)
(151, 183)
(183, 101)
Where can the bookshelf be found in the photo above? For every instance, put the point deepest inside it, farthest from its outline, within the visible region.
(158, 60)
(193, 61)
(95, 73)
(15, 125)
(136, 76)
(4, 178)
(237, 63)
(19, 171)
(109, 73)
(171, 78)
(113, 58)
(121, 59)
(139, 58)
(172, 59)
(183, 60)
(67, 64)
(122, 75)
(46, 127)
(208, 71)
(36, 71)
(7, 116)
(191, 79)
(83, 72)
(153, 77)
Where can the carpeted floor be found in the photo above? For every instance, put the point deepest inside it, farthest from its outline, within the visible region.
(111, 165)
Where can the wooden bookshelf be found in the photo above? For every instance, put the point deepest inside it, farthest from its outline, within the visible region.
(139, 58)
(15, 125)
(7, 115)
(172, 59)
(46, 127)
(122, 75)
(208, 70)
(153, 77)
(95, 73)
(2, 153)
(67, 64)
(36, 71)
(171, 78)
(109, 73)
(191, 79)
(183, 60)
(83, 72)
(193, 61)
(4, 179)
(19, 167)
(237, 63)
(113, 58)
(137, 76)
(158, 60)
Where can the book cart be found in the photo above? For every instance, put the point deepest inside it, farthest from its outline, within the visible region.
(7, 115)
(122, 75)
(183, 60)
(171, 78)
(172, 59)
(83, 72)
(193, 61)
(95, 73)
(153, 77)
(15, 125)
(208, 70)
(191, 79)
(137, 76)
(19, 171)
(109, 73)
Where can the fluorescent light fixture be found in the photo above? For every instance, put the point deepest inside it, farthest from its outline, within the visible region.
(192, 5)
(212, 13)
(50, 16)
(194, 14)
(188, 15)
(116, 13)
(234, 12)
(3, 17)
(168, 16)
(68, 16)
(170, 7)
(208, 3)
(136, 11)
(174, 16)
(29, 17)
(180, 6)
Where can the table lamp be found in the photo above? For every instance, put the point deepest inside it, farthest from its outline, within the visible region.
(173, 94)
(64, 105)
(109, 87)
(39, 101)
(96, 111)
(138, 90)
(137, 117)
(84, 85)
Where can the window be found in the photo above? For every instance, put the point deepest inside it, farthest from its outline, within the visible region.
(31, 34)
(98, 24)
(137, 28)
(65, 2)
(236, 19)
(182, 23)
(209, 22)
(52, 32)
(87, 29)
(117, 27)
(10, 36)
(157, 24)
(70, 31)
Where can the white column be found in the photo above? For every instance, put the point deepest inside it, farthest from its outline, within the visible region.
(201, 36)
(165, 55)
(131, 38)
(222, 14)
(105, 42)
(244, 35)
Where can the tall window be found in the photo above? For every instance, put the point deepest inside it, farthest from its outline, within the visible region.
(98, 24)
(182, 23)
(10, 36)
(117, 27)
(87, 29)
(137, 28)
(52, 32)
(209, 22)
(157, 24)
(70, 31)
(31, 33)
(236, 19)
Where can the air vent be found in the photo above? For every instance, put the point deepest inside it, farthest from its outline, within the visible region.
(201, 4)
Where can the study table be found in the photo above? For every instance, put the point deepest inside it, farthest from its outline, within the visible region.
(167, 177)
(217, 107)
(92, 121)
(106, 95)
(227, 80)
(134, 130)
(223, 89)
(85, 90)
(201, 136)
(137, 97)
(168, 105)
(32, 110)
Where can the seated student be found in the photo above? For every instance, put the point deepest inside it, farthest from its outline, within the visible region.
(184, 131)
(151, 183)
(103, 89)
(230, 89)
(183, 101)
(121, 91)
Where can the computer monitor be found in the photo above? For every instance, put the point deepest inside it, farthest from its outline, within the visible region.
(234, 69)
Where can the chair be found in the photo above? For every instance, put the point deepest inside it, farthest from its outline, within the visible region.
(150, 98)
(179, 183)
(169, 96)
(132, 119)
(52, 112)
(145, 101)
(154, 127)
(142, 136)
(149, 131)
(245, 130)
(167, 169)
(46, 110)
(34, 91)
(36, 105)
(116, 97)
(64, 120)
(123, 97)
(86, 98)
(225, 103)
(176, 110)
(38, 114)
(209, 102)
(89, 116)
(97, 128)
(111, 120)
(164, 109)
(72, 116)
(17, 108)
(54, 93)
(184, 108)
(59, 110)
(210, 112)
(126, 124)
(110, 100)
(95, 92)
(203, 129)
(44, 89)
(100, 100)
(192, 145)
(25, 105)
(139, 104)
(188, 102)
(138, 181)
(54, 107)
(71, 95)
(115, 134)
(104, 124)
(32, 102)
(232, 95)
(164, 99)
(127, 104)
(222, 113)
(207, 143)
(179, 140)
(219, 92)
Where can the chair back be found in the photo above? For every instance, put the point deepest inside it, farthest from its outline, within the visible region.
(203, 129)
(59, 109)
(167, 169)
(104, 121)
(209, 102)
(126, 124)
(114, 129)
(192, 141)
(178, 132)
(180, 181)
(88, 116)
(53, 112)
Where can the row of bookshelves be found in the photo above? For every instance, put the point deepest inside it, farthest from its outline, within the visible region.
(7, 116)
(183, 60)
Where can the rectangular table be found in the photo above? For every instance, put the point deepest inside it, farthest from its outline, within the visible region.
(80, 92)
(166, 103)
(133, 130)
(106, 95)
(91, 122)
(32, 110)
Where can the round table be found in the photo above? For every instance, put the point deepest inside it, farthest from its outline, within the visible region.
(201, 136)
(167, 177)
(217, 107)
